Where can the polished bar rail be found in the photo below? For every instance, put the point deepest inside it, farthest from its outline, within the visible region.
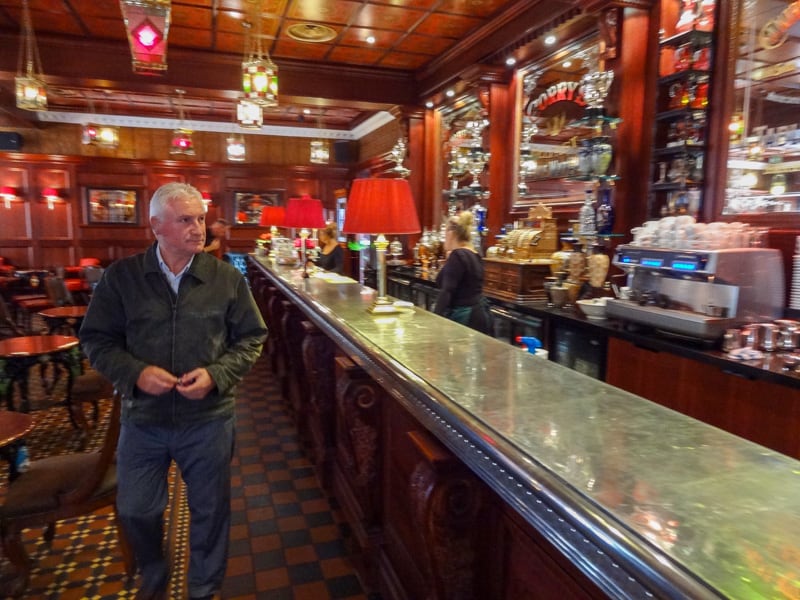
(544, 437)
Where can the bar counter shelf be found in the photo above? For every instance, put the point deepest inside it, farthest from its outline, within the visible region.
(632, 499)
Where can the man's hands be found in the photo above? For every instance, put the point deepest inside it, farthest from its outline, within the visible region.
(194, 385)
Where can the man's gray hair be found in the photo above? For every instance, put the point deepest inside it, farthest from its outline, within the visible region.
(168, 192)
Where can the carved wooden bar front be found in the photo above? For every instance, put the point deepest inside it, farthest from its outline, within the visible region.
(296, 382)
(279, 360)
(318, 355)
(358, 464)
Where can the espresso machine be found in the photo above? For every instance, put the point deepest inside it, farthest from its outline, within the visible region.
(699, 293)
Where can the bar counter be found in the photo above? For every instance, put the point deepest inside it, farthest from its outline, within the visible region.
(644, 501)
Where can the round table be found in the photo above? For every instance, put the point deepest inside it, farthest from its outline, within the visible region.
(13, 426)
(19, 354)
(65, 319)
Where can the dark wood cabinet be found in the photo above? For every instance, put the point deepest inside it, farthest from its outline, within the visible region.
(761, 411)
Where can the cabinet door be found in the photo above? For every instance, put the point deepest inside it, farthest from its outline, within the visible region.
(760, 411)
(579, 350)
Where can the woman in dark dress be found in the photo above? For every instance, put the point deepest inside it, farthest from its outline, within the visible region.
(331, 255)
(460, 280)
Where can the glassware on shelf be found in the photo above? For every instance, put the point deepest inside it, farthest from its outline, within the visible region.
(586, 216)
(585, 158)
(595, 86)
(662, 172)
(602, 153)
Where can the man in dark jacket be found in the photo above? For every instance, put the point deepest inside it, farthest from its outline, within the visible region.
(175, 330)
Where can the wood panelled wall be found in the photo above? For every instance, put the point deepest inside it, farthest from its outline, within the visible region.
(33, 235)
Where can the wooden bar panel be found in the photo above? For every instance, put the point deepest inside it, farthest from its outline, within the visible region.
(358, 465)
(318, 359)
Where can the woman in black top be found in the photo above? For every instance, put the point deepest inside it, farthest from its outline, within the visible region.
(331, 255)
(460, 280)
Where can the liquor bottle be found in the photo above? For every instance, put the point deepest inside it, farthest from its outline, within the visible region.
(586, 217)
(605, 212)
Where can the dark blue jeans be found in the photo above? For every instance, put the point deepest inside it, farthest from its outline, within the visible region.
(203, 453)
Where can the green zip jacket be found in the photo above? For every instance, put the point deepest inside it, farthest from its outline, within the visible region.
(134, 320)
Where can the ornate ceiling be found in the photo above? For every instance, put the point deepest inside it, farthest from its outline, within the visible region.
(420, 48)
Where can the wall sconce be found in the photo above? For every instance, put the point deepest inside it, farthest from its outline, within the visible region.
(51, 196)
(104, 136)
(207, 200)
(8, 194)
(147, 26)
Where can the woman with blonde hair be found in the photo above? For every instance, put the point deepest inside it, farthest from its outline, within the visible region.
(331, 255)
(460, 280)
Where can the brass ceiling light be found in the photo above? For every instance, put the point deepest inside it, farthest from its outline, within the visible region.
(259, 73)
(319, 149)
(181, 137)
(31, 91)
(95, 134)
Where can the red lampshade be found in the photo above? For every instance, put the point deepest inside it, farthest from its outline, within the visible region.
(376, 206)
(49, 192)
(305, 212)
(7, 190)
(272, 216)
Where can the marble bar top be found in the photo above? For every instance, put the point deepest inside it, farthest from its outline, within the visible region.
(645, 501)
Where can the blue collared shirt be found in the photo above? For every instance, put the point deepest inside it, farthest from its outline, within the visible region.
(173, 280)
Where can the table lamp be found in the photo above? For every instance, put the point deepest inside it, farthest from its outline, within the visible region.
(306, 213)
(379, 207)
(272, 217)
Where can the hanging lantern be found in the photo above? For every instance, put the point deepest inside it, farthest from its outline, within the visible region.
(147, 25)
(104, 136)
(181, 137)
(30, 89)
(320, 152)
(259, 73)
(249, 114)
(182, 142)
(235, 148)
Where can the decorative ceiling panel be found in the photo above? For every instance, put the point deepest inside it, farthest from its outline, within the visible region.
(206, 44)
(324, 11)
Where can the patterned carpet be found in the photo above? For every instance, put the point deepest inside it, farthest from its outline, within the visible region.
(286, 538)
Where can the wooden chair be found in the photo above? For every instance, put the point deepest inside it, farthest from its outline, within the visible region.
(91, 387)
(57, 291)
(56, 488)
(8, 326)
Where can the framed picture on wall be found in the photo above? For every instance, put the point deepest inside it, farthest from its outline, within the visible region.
(247, 205)
(105, 205)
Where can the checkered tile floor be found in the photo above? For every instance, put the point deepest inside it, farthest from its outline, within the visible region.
(286, 536)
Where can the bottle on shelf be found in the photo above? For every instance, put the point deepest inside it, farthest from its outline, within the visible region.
(587, 224)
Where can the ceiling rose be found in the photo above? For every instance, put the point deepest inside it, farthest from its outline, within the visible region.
(311, 32)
